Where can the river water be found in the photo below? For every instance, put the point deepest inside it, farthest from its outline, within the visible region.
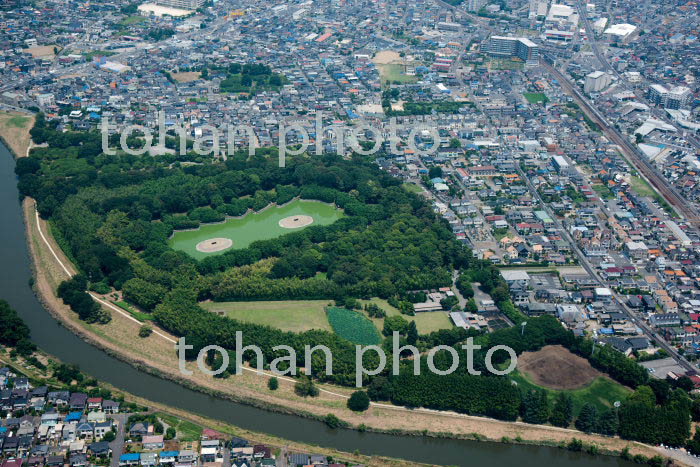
(15, 274)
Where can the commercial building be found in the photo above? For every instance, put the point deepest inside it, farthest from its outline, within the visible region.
(184, 4)
(513, 47)
(596, 81)
(623, 33)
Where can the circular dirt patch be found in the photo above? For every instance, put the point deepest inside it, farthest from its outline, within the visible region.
(214, 244)
(554, 367)
(294, 222)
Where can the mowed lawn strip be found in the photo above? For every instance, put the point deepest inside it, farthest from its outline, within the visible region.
(426, 322)
(287, 315)
(353, 326)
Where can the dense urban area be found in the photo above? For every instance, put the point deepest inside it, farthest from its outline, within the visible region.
(521, 172)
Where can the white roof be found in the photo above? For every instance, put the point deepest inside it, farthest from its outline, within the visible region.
(622, 29)
(515, 275)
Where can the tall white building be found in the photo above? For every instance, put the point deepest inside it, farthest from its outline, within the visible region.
(518, 47)
(475, 5)
(183, 4)
(596, 81)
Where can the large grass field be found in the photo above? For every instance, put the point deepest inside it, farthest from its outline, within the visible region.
(641, 187)
(426, 322)
(289, 315)
(395, 72)
(261, 225)
(536, 97)
(601, 392)
(303, 315)
(353, 326)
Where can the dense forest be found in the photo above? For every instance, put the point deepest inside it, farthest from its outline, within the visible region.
(113, 214)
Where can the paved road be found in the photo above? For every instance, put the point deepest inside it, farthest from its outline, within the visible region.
(118, 444)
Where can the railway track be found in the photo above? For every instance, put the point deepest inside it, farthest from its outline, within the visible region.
(640, 163)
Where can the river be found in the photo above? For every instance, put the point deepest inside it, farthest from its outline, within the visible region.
(60, 342)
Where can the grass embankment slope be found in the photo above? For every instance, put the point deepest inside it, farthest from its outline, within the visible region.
(14, 131)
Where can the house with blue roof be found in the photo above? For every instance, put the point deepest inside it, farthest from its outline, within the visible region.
(132, 458)
(168, 456)
(73, 417)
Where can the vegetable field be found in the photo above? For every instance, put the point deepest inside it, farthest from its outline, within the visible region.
(353, 326)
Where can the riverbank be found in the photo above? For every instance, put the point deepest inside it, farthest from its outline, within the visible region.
(156, 355)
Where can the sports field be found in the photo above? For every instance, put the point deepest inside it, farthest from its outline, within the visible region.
(536, 97)
(261, 225)
(288, 315)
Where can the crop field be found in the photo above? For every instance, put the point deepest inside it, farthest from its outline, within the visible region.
(353, 326)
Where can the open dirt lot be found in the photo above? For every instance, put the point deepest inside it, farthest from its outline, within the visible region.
(186, 76)
(555, 367)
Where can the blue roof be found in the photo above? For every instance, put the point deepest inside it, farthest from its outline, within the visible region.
(74, 416)
(169, 454)
(132, 456)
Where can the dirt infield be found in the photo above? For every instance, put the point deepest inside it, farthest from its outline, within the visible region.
(294, 222)
(554, 367)
(213, 245)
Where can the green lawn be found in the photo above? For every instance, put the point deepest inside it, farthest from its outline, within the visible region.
(353, 326)
(603, 191)
(413, 188)
(18, 121)
(139, 315)
(186, 431)
(505, 64)
(426, 322)
(128, 21)
(395, 72)
(288, 315)
(536, 97)
(601, 392)
(641, 187)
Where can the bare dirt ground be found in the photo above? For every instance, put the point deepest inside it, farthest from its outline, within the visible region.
(186, 76)
(386, 57)
(42, 51)
(14, 130)
(555, 367)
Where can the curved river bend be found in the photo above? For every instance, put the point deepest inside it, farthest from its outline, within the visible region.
(60, 342)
